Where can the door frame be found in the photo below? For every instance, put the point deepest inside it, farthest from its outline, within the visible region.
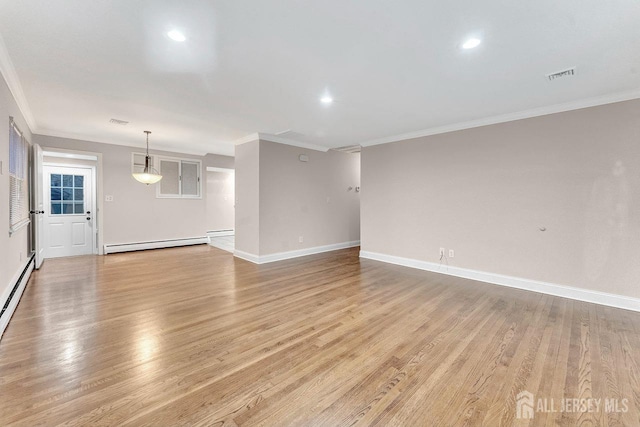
(94, 204)
(37, 197)
(205, 190)
(97, 183)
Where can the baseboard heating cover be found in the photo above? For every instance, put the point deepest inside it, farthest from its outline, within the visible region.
(10, 301)
(154, 244)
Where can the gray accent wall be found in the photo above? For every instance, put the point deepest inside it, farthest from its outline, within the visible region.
(487, 193)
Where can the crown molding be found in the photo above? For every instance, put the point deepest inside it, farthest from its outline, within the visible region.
(292, 142)
(279, 140)
(249, 138)
(156, 146)
(526, 114)
(10, 75)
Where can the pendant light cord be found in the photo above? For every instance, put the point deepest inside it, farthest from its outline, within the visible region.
(147, 158)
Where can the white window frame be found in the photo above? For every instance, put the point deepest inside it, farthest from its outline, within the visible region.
(133, 161)
(179, 160)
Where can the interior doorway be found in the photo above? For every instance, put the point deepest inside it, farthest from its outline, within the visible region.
(67, 185)
(69, 200)
(221, 208)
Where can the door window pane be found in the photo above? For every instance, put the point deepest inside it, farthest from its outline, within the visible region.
(56, 180)
(55, 194)
(71, 194)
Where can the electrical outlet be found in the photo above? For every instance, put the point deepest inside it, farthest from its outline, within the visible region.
(451, 253)
(108, 198)
(300, 239)
(442, 251)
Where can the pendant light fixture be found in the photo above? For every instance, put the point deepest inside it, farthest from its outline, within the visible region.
(149, 175)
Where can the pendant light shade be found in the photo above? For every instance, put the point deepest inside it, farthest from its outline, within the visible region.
(149, 175)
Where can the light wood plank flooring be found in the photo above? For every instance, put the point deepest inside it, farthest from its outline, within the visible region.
(192, 336)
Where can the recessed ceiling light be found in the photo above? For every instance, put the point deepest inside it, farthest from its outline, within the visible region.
(326, 99)
(176, 35)
(471, 43)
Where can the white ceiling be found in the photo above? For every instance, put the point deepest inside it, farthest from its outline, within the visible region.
(261, 66)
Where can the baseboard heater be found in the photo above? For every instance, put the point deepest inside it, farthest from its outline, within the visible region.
(11, 303)
(154, 244)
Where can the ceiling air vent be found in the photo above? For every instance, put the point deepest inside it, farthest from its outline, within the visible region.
(569, 72)
(119, 122)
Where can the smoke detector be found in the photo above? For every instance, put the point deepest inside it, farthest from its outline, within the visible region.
(119, 122)
(569, 72)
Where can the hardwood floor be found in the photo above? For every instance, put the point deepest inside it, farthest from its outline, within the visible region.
(192, 336)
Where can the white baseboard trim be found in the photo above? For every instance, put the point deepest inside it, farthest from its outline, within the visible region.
(280, 256)
(10, 299)
(154, 244)
(246, 256)
(596, 297)
(219, 233)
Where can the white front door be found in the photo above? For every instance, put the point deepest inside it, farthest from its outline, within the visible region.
(68, 219)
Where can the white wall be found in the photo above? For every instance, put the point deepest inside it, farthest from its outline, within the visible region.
(220, 200)
(309, 199)
(486, 192)
(247, 192)
(14, 249)
(136, 215)
(279, 198)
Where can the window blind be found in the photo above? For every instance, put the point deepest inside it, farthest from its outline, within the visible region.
(18, 179)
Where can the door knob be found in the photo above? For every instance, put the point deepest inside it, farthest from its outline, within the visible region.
(88, 218)
(88, 212)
